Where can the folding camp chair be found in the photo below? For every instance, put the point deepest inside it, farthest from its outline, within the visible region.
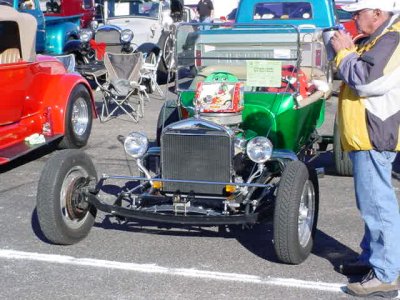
(123, 88)
(149, 71)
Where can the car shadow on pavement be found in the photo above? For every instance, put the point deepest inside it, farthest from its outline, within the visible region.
(257, 239)
(37, 154)
(260, 242)
(36, 228)
(148, 227)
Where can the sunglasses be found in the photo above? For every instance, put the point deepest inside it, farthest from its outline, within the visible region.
(358, 13)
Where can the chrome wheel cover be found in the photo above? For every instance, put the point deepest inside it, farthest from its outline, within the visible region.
(306, 213)
(80, 116)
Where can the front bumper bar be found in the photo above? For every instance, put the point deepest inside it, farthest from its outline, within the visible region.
(116, 210)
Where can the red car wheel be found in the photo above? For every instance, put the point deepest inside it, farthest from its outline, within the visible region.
(78, 119)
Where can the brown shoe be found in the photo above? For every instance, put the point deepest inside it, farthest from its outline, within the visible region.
(371, 286)
(354, 267)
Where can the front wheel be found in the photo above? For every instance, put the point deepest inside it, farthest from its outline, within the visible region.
(65, 216)
(78, 119)
(296, 213)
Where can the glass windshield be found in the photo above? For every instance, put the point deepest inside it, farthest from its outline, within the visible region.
(125, 8)
(282, 10)
(257, 62)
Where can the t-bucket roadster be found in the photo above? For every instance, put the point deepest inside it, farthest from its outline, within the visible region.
(232, 149)
(40, 102)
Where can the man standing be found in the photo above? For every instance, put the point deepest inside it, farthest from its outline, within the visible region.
(369, 120)
(177, 10)
(205, 9)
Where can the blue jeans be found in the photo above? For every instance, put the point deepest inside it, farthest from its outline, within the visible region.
(377, 202)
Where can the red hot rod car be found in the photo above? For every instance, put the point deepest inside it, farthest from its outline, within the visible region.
(40, 102)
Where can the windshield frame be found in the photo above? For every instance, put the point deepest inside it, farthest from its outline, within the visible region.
(133, 9)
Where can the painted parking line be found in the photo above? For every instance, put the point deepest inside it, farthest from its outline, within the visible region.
(155, 269)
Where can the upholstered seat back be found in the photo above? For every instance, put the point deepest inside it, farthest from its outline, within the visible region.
(9, 56)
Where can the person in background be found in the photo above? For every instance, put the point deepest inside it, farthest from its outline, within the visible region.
(205, 10)
(177, 10)
(369, 121)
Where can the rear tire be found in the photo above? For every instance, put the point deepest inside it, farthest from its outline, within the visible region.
(64, 215)
(343, 164)
(296, 213)
(78, 119)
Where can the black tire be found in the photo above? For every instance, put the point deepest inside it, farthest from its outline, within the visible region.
(60, 220)
(78, 119)
(169, 113)
(166, 45)
(343, 164)
(294, 231)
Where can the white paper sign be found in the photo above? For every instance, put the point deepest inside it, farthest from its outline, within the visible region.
(264, 73)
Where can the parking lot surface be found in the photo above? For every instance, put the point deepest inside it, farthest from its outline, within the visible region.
(141, 260)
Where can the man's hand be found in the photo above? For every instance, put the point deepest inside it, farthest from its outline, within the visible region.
(341, 40)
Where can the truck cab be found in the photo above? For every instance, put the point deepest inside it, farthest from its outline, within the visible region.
(61, 8)
(52, 31)
(294, 12)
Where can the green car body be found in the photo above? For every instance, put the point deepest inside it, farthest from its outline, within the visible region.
(275, 116)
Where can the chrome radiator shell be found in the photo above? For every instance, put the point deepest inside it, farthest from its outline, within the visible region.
(196, 149)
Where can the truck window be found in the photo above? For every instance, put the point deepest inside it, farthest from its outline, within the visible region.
(87, 4)
(27, 5)
(42, 4)
(53, 6)
(282, 10)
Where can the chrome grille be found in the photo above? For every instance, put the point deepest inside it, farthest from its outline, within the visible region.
(111, 38)
(189, 156)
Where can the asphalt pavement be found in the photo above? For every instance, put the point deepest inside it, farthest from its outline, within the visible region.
(140, 260)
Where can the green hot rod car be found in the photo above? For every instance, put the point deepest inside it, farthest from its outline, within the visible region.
(232, 148)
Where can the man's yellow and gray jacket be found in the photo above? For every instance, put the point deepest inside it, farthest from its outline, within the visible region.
(369, 101)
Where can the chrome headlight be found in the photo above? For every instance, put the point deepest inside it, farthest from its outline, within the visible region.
(136, 144)
(259, 149)
(126, 36)
(94, 25)
(85, 35)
